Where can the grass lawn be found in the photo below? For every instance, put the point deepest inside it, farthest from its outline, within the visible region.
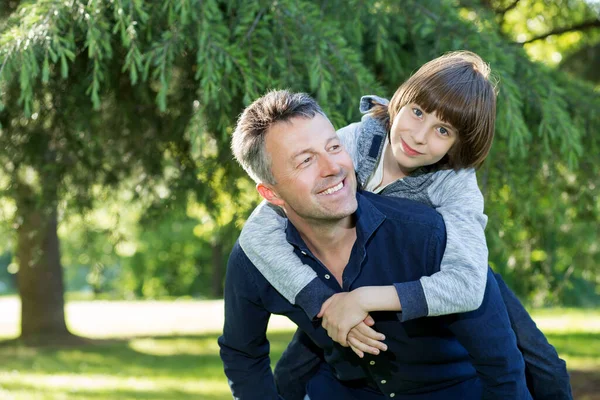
(171, 362)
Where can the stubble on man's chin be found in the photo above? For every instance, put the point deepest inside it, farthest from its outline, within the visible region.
(326, 215)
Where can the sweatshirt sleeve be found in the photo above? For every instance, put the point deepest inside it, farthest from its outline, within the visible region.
(263, 239)
(349, 137)
(460, 284)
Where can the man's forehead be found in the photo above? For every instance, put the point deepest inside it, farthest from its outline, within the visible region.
(299, 131)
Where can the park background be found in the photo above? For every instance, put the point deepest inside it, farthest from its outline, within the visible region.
(120, 200)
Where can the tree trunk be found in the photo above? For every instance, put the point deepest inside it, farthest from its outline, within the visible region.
(40, 276)
(217, 270)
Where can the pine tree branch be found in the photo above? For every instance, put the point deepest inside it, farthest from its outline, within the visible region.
(559, 31)
(429, 13)
(36, 31)
(256, 20)
(506, 9)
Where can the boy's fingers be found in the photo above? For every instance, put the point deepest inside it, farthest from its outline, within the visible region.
(357, 351)
(369, 332)
(374, 344)
(354, 342)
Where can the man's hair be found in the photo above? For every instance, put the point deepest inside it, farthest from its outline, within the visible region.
(457, 87)
(248, 142)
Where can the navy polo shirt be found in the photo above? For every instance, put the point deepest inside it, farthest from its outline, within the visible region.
(398, 241)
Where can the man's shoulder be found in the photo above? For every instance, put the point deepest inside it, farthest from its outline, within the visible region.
(238, 257)
(241, 270)
(404, 210)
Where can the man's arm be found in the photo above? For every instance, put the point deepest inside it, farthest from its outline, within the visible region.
(244, 344)
(298, 364)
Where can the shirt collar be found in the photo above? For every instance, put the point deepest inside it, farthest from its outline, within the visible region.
(368, 219)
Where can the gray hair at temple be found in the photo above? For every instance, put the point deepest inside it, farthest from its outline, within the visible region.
(248, 141)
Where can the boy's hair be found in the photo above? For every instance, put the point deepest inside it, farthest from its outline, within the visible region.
(457, 87)
(248, 141)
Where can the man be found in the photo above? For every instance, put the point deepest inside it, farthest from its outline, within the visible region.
(290, 148)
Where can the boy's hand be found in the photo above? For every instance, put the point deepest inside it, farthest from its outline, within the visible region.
(344, 311)
(340, 313)
(364, 339)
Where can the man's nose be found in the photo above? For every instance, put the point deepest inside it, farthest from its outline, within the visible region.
(329, 165)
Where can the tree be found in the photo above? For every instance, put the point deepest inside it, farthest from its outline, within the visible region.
(102, 93)
(563, 32)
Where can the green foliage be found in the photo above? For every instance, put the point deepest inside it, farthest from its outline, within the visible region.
(145, 94)
(166, 261)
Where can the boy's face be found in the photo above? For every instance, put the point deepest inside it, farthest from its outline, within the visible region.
(418, 138)
(314, 174)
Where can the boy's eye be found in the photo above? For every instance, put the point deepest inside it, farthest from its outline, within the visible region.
(417, 112)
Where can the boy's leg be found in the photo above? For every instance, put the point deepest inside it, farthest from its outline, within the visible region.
(298, 363)
(546, 373)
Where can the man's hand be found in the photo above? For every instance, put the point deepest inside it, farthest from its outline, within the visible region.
(364, 339)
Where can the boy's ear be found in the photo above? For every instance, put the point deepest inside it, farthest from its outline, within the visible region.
(269, 194)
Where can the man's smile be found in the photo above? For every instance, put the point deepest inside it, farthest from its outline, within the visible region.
(333, 189)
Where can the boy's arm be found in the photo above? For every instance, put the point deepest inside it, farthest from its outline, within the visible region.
(460, 283)
(244, 345)
(263, 239)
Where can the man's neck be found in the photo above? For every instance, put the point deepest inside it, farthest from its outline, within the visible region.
(330, 241)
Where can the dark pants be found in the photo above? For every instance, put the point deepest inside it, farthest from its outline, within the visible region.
(546, 373)
(324, 386)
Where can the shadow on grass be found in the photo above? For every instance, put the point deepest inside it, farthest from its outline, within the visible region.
(189, 367)
(586, 385)
(121, 394)
(177, 367)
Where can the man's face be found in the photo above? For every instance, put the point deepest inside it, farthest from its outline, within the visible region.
(314, 174)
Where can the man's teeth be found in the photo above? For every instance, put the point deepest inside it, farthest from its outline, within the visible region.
(334, 189)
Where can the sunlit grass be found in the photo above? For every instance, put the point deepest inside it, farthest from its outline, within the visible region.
(149, 368)
(169, 351)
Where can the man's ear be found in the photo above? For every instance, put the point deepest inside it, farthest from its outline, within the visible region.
(269, 194)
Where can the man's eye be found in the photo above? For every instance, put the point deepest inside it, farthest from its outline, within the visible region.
(417, 112)
(305, 161)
